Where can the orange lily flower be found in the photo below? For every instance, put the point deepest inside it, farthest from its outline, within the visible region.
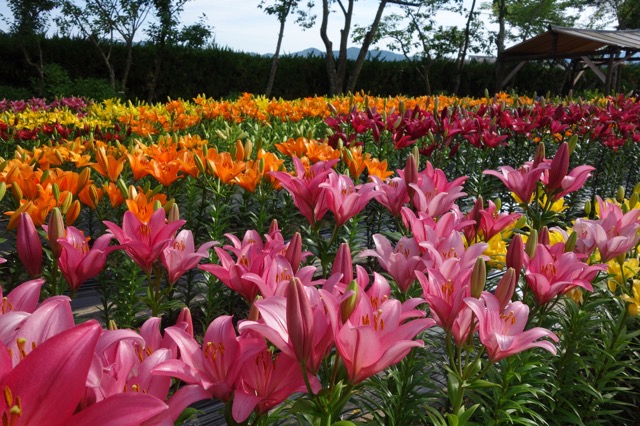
(320, 151)
(355, 160)
(107, 165)
(90, 195)
(297, 147)
(377, 168)
(139, 165)
(142, 206)
(165, 173)
(114, 194)
(225, 168)
(250, 178)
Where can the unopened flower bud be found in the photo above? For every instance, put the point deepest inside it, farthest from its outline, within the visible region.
(157, 205)
(587, 207)
(544, 237)
(299, 316)
(174, 213)
(55, 230)
(16, 191)
(248, 149)
(539, 155)
(532, 243)
(620, 194)
(570, 245)
(498, 204)
(239, 154)
(3, 189)
(199, 164)
(66, 203)
(478, 278)
(348, 305)
(112, 325)
(572, 143)
(73, 213)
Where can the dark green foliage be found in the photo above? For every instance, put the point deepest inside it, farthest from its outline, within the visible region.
(187, 72)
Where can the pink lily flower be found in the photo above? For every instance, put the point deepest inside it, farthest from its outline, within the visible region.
(551, 272)
(313, 333)
(47, 385)
(493, 222)
(344, 199)
(265, 382)
(216, 365)
(305, 187)
(393, 193)
(22, 298)
(373, 339)
(77, 262)
(144, 242)
(521, 182)
(181, 256)
(616, 232)
(434, 195)
(445, 289)
(400, 261)
(502, 330)
(29, 245)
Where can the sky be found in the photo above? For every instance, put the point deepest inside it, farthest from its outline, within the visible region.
(242, 26)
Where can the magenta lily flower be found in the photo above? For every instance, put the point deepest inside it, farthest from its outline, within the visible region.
(400, 261)
(214, 366)
(181, 256)
(266, 381)
(344, 199)
(48, 384)
(521, 182)
(144, 242)
(29, 245)
(77, 262)
(305, 188)
(502, 331)
(551, 272)
(393, 193)
(22, 298)
(306, 338)
(373, 339)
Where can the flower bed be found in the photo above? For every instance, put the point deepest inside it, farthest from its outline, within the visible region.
(287, 259)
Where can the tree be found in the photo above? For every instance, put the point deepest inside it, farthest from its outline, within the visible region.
(624, 13)
(337, 67)
(282, 9)
(29, 26)
(416, 35)
(101, 21)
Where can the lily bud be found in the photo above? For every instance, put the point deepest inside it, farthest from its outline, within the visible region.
(587, 207)
(299, 320)
(55, 189)
(411, 174)
(620, 194)
(570, 245)
(343, 263)
(544, 237)
(273, 228)
(532, 243)
(349, 304)
(45, 176)
(478, 278)
(16, 191)
(72, 213)
(112, 326)
(506, 287)
(239, 150)
(93, 193)
(199, 164)
(416, 154)
(174, 213)
(157, 205)
(3, 189)
(573, 142)
(248, 149)
(66, 203)
(498, 204)
(83, 178)
(515, 254)
(539, 155)
(132, 193)
(55, 230)
(294, 251)
(29, 246)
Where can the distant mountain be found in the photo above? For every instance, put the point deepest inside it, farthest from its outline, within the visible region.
(352, 53)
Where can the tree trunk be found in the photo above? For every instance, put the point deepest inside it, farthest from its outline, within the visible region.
(364, 49)
(276, 55)
(330, 62)
(127, 66)
(502, 10)
(465, 46)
